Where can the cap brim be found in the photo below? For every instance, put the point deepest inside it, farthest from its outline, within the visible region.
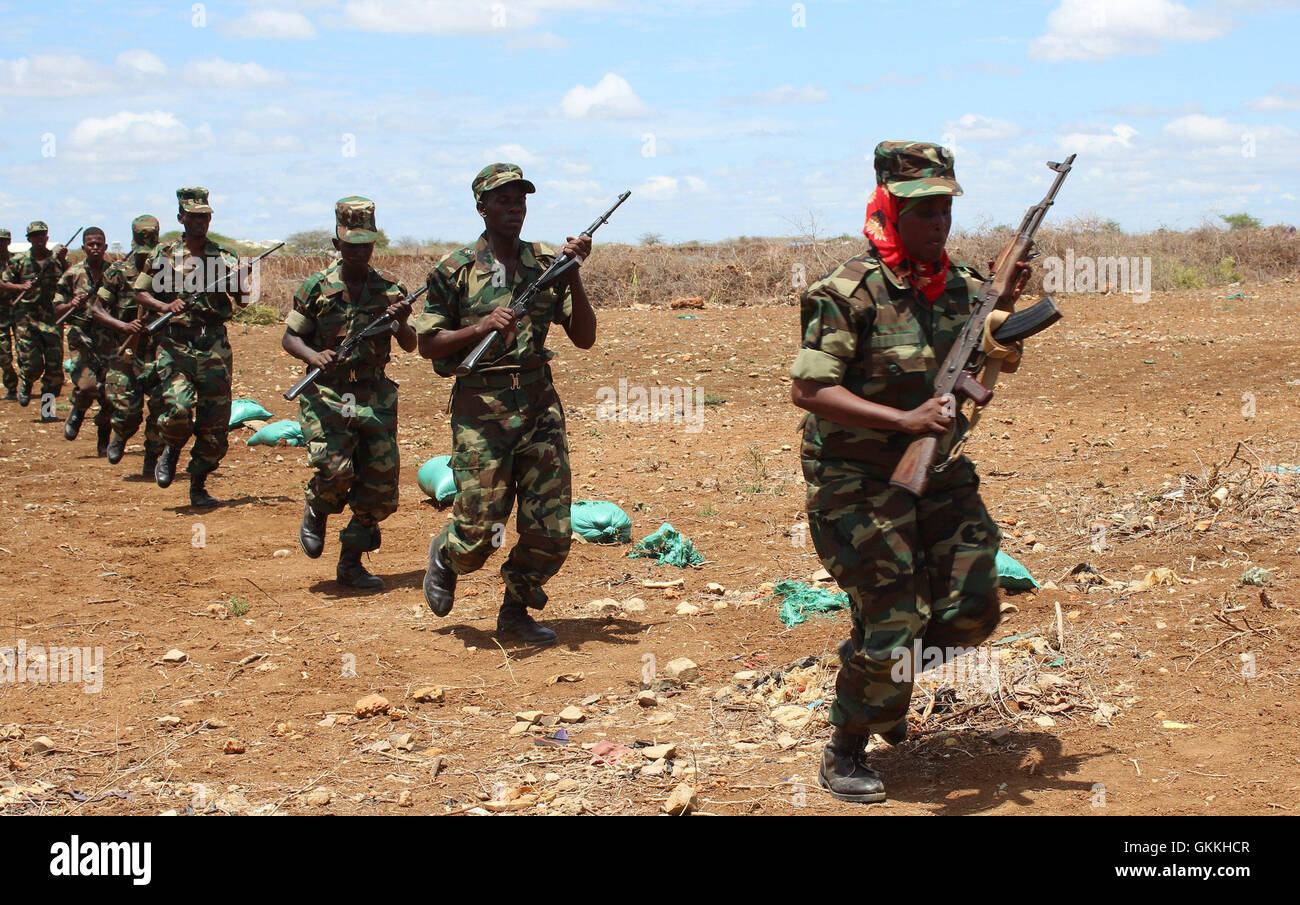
(357, 236)
(919, 188)
(147, 249)
(192, 208)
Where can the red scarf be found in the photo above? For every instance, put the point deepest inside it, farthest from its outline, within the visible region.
(881, 227)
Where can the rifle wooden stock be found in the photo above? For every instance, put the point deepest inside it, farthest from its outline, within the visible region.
(913, 471)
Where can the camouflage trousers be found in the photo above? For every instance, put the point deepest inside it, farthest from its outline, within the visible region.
(130, 381)
(917, 572)
(351, 434)
(194, 370)
(40, 354)
(510, 443)
(7, 355)
(89, 385)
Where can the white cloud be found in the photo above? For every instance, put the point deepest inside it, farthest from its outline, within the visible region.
(455, 17)
(1201, 128)
(141, 63)
(273, 117)
(516, 154)
(1285, 99)
(611, 97)
(1120, 136)
(234, 76)
(542, 40)
(657, 188)
(242, 141)
(1098, 29)
(49, 75)
(272, 23)
(127, 137)
(974, 127)
(787, 94)
(696, 184)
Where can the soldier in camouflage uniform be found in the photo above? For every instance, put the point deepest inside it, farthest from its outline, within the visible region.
(130, 377)
(875, 331)
(193, 361)
(35, 274)
(7, 297)
(349, 414)
(506, 419)
(87, 340)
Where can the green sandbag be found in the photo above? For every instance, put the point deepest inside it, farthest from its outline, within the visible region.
(669, 547)
(290, 432)
(601, 522)
(242, 410)
(799, 599)
(1012, 575)
(436, 479)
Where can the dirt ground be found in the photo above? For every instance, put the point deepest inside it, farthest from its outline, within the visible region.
(1152, 692)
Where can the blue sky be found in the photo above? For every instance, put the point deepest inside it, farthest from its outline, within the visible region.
(724, 118)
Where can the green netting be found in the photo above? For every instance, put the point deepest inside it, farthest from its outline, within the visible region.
(289, 432)
(669, 547)
(242, 410)
(799, 599)
(436, 479)
(1012, 575)
(601, 522)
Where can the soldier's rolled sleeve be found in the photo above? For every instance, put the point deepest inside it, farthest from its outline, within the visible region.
(63, 291)
(144, 281)
(829, 337)
(437, 311)
(302, 318)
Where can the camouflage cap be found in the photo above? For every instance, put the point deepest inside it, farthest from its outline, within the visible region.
(4, 234)
(914, 169)
(354, 219)
(144, 234)
(194, 200)
(37, 226)
(495, 175)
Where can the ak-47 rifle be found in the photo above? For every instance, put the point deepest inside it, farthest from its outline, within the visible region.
(350, 343)
(80, 300)
(40, 271)
(559, 267)
(957, 375)
(225, 277)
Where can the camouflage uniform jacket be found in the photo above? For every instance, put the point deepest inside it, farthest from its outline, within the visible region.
(77, 285)
(39, 300)
(468, 284)
(866, 329)
(173, 272)
(6, 296)
(324, 315)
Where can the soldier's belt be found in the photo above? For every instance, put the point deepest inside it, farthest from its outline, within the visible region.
(500, 380)
(192, 334)
(344, 376)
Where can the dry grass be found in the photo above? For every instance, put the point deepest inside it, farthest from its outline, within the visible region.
(772, 271)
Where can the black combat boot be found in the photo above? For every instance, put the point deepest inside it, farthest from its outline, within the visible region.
(102, 432)
(352, 574)
(72, 426)
(115, 449)
(199, 495)
(149, 467)
(166, 468)
(843, 772)
(514, 622)
(24, 394)
(439, 578)
(311, 534)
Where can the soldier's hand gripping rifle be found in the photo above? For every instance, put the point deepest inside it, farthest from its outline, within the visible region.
(559, 267)
(957, 375)
(377, 327)
(79, 300)
(224, 278)
(36, 278)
